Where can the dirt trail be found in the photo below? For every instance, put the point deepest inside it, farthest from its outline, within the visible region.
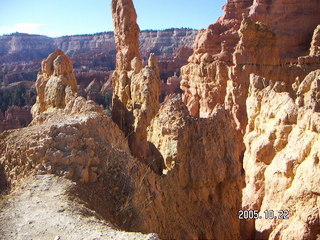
(40, 209)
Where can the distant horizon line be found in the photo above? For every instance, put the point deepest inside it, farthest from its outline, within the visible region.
(100, 33)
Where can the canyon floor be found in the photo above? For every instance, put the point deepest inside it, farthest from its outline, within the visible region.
(43, 207)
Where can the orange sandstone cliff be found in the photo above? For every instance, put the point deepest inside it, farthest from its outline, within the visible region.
(258, 61)
(232, 48)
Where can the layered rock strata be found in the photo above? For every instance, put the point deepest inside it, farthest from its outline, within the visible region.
(20, 54)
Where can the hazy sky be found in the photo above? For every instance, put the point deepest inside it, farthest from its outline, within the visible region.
(68, 17)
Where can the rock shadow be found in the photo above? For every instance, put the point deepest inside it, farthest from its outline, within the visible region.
(4, 184)
(155, 159)
(112, 195)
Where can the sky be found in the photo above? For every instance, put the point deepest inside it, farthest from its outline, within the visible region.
(69, 17)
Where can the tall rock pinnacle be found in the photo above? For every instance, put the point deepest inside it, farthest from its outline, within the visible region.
(126, 33)
(136, 90)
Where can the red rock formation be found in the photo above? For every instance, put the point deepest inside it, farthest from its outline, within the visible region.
(172, 86)
(15, 117)
(243, 64)
(199, 195)
(213, 76)
(293, 23)
(314, 54)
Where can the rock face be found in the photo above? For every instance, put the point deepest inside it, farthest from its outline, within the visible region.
(136, 90)
(315, 44)
(170, 145)
(314, 54)
(257, 60)
(205, 202)
(282, 158)
(172, 86)
(217, 73)
(245, 136)
(79, 142)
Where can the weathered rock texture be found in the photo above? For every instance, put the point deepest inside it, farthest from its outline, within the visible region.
(136, 90)
(255, 105)
(314, 54)
(57, 148)
(199, 195)
(255, 60)
(75, 140)
(236, 45)
(282, 158)
(171, 86)
(172, 195)
(56, 84)
(78, 141)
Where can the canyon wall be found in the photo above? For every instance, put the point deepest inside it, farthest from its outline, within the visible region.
(281, 159)
(172, 194)
(218, 71)
(257, 61)
(21, 54)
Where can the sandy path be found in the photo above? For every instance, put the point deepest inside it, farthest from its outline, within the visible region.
(41, 209)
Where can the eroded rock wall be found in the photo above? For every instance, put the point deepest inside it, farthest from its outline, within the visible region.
(199, 195)
(256, 60)
(216, 72)
(282, 158)
(183, 189)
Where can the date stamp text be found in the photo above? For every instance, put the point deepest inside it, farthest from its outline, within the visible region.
(267, 214)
